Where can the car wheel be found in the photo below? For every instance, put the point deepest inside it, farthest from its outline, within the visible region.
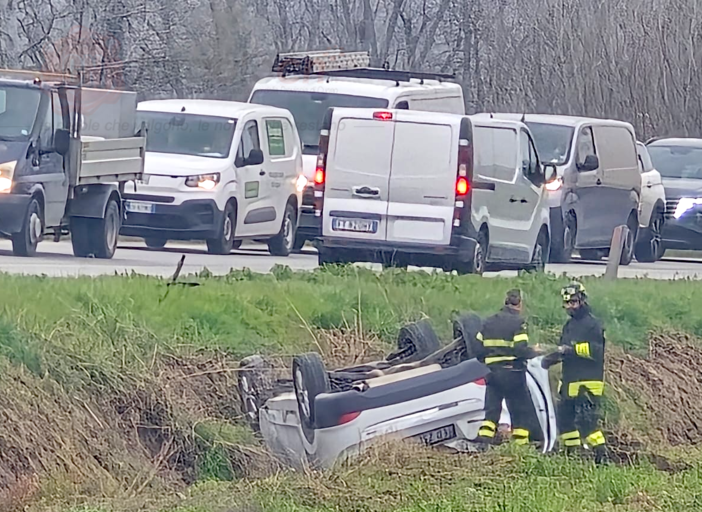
(310, 379)
(649, 246)
(253, 386)
(414, 342)
(236, 244)
(466, 328)
(284, 242)
(26, 241)
(570, 232)
(107, 228)
(540, 255)
(155, 243)
(300, 242)
(224, 242)
(628, 249)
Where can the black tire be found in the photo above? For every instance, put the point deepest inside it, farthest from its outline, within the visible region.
(540, 255)
(26, 241)
(236, 244)
(300, 242)
(310, 379)
(97, 237)
(556, 252)
(283, 243)
(155, 243)
(628, 250)
(465, 328)
(224, 243)
(570, 233)
(414, 342)
(649, 243)
(477, 264)
(254, 383)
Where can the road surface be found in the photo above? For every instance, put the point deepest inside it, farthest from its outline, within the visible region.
(56, 259)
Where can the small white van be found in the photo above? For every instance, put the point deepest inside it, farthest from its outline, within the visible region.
(218, 171)
(439, 190)
(309, 83)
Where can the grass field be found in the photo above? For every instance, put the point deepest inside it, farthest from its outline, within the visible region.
(83, 343)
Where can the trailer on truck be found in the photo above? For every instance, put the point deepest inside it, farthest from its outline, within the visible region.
(63, 167)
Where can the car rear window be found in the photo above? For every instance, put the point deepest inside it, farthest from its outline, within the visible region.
(677, 161)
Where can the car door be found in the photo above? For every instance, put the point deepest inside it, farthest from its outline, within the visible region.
(530, 188)
(50, 171)
(651, 186)
(281, 155)
(255, 213)
(588, 206)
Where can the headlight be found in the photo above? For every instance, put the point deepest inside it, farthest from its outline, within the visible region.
(7, 171)
(685, 204)
(204, 181)
(554, 185)
(301, 183)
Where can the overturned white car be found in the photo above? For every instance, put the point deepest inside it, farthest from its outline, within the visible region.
(321, 416)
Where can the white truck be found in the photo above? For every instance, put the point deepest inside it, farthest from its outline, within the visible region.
(54, 179)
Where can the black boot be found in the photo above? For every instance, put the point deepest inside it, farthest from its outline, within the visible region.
(601, 455)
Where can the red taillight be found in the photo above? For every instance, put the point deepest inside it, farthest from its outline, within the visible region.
(462, 186)
(383, 116)
(348, 417)
(481, 382)
(319, 176)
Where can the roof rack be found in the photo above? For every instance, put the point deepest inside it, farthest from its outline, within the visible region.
(319, 61)
(386, 74)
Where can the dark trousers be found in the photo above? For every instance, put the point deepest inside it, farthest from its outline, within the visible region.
(578, 420)
(510, 385)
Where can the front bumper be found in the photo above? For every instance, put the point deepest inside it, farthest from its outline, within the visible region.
(198, 219)
(684, 233)
(13, 209)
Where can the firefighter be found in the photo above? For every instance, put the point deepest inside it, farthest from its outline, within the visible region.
(581, 350)
(503, 347)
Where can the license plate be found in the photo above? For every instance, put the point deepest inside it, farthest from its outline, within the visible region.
(138, 207)
(355, 225)
(438, 435)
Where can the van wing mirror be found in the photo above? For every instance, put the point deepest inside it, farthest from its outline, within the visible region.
(62, 141)
(553, 174)
(255, 157)
(591, 163)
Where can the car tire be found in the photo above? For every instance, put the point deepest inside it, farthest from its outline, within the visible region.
(466, 328)
(254, 385)
(310, 379)
(283, 243)
(236, 244)
(628, 250)
(414, 342)
(97, 237)
(540, 254)
(556, 252)
(300, 242)
(26, 241)
(477, 263)
(649, 245)
(155, 243)
(224, 242)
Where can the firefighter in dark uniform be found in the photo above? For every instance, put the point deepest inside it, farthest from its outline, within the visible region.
(503, 347)
(581, 349)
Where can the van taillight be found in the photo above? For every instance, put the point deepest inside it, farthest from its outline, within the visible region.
(462, 186)
(348, 417)
(383, 116)
(463, 176)
(320, 174)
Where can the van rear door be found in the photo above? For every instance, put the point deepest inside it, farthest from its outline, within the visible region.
(423, 178)
(357, 175)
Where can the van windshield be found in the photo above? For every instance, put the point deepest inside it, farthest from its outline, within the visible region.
(18, 112)
(677, 161)
(188, 134)
(308, 109)
(552, 141)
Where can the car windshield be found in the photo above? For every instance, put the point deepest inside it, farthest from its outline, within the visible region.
(188, 134)
(308, 109)
(18, 112)
(552, 141)
(677, 161)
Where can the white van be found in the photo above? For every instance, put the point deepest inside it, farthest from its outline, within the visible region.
(218, 171)
(428, 189)
(310, 83)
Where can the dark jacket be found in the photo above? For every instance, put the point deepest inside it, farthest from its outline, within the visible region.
(584, 361)
(503, 340)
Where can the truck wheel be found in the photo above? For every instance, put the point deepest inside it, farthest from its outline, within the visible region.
(224, 242)
(283, 243)
(414, 342)
(310, 378)
(80, 237)
(105, 232)
(25, 242)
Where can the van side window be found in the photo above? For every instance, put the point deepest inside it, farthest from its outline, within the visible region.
(402, 105)
(586, 145)
(495, 152)
(46, 135)
(249, 141)
(276, 137)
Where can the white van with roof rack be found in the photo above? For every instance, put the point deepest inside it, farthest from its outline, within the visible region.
(430, 189)
(218, 171)
(309, 83)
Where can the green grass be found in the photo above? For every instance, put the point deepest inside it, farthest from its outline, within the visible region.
(98, 332)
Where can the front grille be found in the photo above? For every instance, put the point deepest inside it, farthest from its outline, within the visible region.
(200, 215)
(670, 206)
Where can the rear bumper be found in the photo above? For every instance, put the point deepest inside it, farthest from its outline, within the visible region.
(309, 226)
(199, 219)
(13, 208)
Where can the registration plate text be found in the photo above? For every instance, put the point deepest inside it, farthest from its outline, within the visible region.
(355, 225)
(438, 435)
(138, 207)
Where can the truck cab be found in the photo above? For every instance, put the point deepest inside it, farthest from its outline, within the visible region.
(53, 180)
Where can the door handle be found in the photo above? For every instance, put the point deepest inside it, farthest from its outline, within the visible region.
(261, 172)
(599, 181)
(649, 184)
(515, 200)
(366, 192)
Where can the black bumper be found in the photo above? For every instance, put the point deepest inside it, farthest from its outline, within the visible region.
(684, 233)
(13, 208)
(198, 219)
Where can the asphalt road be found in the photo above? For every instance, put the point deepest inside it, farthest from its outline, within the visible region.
(56, 259)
